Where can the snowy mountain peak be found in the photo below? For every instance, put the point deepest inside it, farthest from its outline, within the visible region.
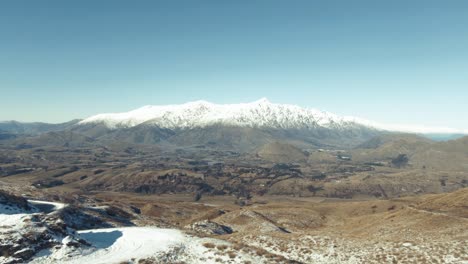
(260, 113)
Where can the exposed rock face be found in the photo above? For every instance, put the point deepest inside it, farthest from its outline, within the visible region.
(7, 199)
(209, 228)
(31, 234)
(24, 232)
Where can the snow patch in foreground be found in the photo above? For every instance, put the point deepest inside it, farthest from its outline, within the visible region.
(131, 244)
(114, 245)
(10, 215)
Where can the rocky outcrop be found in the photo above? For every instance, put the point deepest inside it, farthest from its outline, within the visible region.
(24, 232)
(209, 228)
(8, 199)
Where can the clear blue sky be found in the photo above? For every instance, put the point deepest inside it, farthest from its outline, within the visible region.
(387, 61)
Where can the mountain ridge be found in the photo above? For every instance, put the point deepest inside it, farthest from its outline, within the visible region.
(259, 114)
(239, 127)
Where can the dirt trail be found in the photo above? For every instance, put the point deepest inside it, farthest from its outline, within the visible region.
(436, 213)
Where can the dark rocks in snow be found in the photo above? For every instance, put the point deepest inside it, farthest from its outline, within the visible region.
(25, 253)
(210, 228)
(79, 220)
(13, 200)
(135, 209)
(26, 232)
(33, 234)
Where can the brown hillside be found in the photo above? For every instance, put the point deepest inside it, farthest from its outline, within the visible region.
(281, 152)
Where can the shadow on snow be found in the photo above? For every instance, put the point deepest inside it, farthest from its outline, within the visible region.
(102, 239)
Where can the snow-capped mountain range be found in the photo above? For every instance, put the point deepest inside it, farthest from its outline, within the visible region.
(261, 113)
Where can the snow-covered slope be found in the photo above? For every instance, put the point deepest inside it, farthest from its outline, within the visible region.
(116, 245)
(157, 245)
(38, 235)
(261, 113)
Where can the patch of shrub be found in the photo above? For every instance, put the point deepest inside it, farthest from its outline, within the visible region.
(209, 245)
